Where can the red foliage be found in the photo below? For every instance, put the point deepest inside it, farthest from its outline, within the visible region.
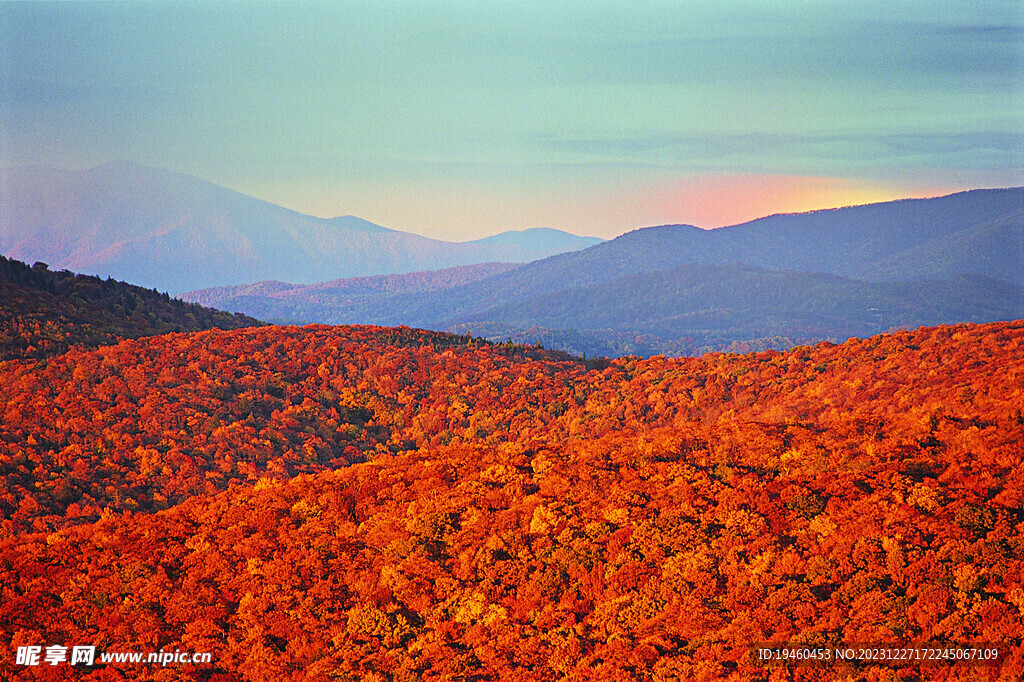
(364, 503)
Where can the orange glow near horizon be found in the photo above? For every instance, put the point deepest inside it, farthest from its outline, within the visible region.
(711, 202)
(457, 212)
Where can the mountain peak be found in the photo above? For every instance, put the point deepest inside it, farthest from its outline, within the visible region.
(159, 228)
(356, 224)
(540, 238)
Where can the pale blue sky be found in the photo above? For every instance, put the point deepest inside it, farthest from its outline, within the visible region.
(459, 119)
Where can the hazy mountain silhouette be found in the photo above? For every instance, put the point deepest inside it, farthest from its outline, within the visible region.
(177, 233)
(825, 274)
(977, 232)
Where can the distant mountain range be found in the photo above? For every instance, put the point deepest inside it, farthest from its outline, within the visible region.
(344, 301)
(176, 233)
(672, 289)
(698, 307)
(678, 289)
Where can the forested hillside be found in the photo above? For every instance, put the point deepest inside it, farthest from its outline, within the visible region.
(388, 504)
(45, 313)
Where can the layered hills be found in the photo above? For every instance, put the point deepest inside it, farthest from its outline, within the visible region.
(672, 289)
(380, 503)
(693, 309)
(177, 233)
(375, 299)
(678, 289)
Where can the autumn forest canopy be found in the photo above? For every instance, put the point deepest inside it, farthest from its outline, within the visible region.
(516, 342)
(371, 503)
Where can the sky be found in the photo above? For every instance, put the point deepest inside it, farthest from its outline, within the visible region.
(457, 120)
